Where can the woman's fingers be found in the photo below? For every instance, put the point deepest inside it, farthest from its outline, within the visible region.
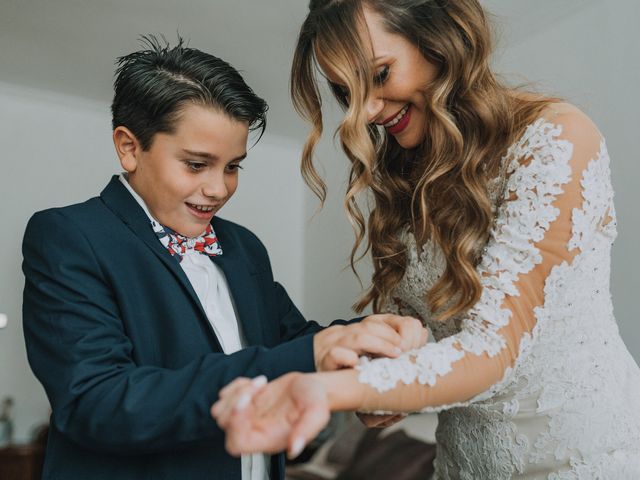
(248, 433)
(313, 419)
(237, 383)
(236, 396)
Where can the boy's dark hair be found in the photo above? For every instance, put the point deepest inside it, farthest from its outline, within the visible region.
(154, 84)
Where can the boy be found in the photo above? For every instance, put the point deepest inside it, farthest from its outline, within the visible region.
(141, 304)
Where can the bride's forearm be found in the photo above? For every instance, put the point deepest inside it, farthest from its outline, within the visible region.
(469, 376)
(343, 389)
(345, 392)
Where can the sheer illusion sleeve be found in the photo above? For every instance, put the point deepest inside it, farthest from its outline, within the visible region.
(532, 235)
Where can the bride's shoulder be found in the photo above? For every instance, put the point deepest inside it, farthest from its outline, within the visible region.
(566, 130)
(574, 125)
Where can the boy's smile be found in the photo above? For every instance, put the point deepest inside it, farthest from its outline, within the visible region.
(186, 176)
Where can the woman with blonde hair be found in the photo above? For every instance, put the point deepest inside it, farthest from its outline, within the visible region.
(492, 220)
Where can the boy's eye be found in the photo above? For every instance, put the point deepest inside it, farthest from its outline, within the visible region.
(195, 166)
(381, 75)
(234, 167)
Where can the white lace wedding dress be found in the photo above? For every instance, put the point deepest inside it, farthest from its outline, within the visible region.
(534, 382)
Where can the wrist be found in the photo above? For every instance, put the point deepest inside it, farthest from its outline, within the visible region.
(318, 348)
(344, 391)
(321, 344)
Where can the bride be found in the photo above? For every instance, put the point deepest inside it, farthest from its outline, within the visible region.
(492, 221)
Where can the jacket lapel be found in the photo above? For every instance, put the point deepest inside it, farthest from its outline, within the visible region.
(242, 284)
(120, 201)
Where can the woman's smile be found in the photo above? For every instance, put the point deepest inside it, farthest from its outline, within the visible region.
(399, 121)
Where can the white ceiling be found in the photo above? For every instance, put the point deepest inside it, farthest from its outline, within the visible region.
(69, 46)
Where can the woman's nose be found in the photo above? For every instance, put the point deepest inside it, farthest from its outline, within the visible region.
(374, 105)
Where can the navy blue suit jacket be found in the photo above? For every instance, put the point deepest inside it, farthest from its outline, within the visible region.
(130, 364)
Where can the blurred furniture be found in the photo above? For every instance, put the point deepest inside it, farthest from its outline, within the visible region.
(358, 453)
(24, 462)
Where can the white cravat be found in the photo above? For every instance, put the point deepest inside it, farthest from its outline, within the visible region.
(210, 285)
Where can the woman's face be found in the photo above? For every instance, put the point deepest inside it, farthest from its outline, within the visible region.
(401, 76)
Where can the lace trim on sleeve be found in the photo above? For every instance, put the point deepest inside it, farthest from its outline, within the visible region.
(597, 204)
(538, 166)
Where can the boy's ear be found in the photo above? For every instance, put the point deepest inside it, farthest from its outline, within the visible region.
(128, 148)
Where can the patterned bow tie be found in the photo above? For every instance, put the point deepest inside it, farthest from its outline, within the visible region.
(177, 244)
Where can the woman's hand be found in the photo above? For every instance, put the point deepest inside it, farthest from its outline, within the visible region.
(284, 414)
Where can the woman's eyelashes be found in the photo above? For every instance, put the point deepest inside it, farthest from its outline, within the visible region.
(381, 75)
(379, 78)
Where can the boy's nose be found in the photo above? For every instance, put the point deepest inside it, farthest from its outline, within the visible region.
(215, 187)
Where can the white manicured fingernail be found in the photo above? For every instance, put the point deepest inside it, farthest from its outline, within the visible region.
(259, 381)
(398, 350)
(243, 402)
(297, 447)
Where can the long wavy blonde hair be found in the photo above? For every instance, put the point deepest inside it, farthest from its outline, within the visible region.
(438, 190)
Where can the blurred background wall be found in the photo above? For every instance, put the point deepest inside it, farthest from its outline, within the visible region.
(56, 69)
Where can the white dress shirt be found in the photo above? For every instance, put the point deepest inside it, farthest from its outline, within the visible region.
(210, 285)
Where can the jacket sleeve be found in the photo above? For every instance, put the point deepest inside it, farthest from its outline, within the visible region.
(78, 348)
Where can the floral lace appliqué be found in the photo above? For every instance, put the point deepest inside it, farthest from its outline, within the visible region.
(510, 252)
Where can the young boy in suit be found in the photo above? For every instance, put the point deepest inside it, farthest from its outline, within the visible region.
(141, 304)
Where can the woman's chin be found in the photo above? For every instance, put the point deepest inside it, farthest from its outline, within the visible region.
(408, 143)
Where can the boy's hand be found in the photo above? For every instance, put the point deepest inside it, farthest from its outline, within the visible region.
(377, 335)
(411, 330)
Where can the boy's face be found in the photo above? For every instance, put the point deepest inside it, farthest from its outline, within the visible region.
(187, 176)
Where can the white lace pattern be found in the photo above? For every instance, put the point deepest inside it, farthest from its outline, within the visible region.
(567, 407)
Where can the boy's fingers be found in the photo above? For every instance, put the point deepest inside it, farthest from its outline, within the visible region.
(424, 337)
(382, 330)
(369, 344)
(411, 330)
(341, 357)
(416, 339)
